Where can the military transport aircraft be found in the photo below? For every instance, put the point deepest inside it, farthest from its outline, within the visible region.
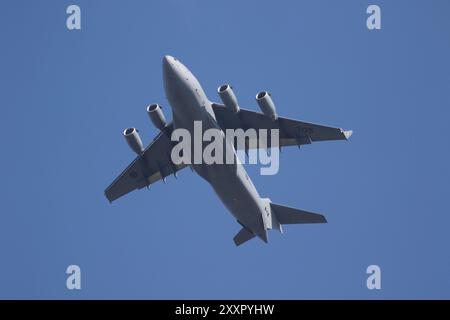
(231, 183)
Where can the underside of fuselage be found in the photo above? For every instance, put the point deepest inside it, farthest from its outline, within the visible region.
(209, 150)
(230, 181)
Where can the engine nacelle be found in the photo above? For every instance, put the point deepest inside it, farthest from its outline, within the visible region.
(228, 98)
(134, 140)
(266, 104)
(157, 116)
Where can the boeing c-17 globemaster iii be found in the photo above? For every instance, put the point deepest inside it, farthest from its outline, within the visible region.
(231, 183)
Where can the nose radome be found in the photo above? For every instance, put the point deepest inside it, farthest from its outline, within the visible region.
(167, 59)
(168, 65)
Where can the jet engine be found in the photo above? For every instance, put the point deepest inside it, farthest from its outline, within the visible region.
(134, 140)
(228, 98)
(157, 116)
(266, 104)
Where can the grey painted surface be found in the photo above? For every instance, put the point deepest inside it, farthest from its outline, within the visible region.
(231, 182)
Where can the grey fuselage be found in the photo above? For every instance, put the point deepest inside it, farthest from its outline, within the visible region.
(231, 183)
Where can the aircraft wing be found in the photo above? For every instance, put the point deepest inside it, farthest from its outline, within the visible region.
(154, 164)
(291, 132)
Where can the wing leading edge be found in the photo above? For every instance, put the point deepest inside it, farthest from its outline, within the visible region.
(153, 165)
(291, 132)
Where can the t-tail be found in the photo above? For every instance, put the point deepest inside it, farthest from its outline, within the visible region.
(276, 215)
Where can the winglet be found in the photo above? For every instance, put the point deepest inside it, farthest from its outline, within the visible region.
(347, 134)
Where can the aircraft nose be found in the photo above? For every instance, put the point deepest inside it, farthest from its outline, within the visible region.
(168, 66)
(169, 74)
(167, 59)
(169, 62)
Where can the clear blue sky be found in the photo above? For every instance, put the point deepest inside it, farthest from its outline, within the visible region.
(66, 96)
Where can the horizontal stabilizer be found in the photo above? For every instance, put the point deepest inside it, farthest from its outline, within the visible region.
(288, 215)
(243, 236)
